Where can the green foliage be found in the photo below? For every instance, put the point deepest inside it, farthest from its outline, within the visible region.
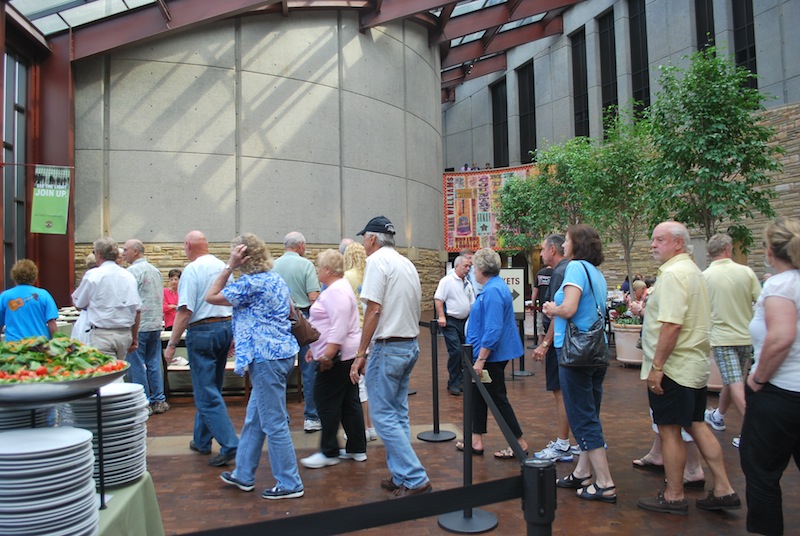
(712, 156)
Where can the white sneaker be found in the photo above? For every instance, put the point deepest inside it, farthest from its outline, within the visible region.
(356, 456)
(576, 450)
(553, 452)
(713, 421)
(371, 434)
(318, 460)
(311, 425)
(735, 441)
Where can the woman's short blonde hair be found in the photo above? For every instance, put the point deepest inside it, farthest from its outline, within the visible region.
(487, 261)
(783, 236)
(260, 258)
(24, 272)
(355, 256)
(332, 260)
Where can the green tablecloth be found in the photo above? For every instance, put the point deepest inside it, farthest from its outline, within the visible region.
(132, 510)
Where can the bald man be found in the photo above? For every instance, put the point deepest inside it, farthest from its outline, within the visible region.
(208, 340)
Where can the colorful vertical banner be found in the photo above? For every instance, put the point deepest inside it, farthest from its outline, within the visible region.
(50, 204)
(471, 199)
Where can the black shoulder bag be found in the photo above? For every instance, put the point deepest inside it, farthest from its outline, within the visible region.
(585, 348)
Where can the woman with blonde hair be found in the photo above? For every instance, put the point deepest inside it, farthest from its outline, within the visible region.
(266, 347)
(772, 390)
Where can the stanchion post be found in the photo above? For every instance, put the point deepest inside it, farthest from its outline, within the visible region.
(521, 371)
(539, 496)
(435, 435)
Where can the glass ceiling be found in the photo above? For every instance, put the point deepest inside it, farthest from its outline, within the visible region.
(52, 16)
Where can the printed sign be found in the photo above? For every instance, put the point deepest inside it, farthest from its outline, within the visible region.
(515, 279)
(50, 204)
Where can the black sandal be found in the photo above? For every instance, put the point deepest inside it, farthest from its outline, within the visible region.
(584, 493)
(573, 482)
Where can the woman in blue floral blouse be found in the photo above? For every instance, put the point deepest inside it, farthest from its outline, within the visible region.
(266, 347)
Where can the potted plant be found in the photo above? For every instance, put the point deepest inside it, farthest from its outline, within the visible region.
(627, 336)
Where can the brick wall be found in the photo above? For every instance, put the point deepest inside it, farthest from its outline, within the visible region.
(165, 257)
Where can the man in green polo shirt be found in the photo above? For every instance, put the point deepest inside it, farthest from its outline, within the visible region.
(675, 365)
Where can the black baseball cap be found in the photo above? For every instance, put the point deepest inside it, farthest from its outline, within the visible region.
(378, 224)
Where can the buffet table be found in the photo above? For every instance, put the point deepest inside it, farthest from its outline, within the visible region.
(132, 510)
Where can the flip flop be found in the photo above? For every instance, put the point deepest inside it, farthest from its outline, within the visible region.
(507, 454)
(645, 465)
(584, 493)
(574, 482)
(475, 452)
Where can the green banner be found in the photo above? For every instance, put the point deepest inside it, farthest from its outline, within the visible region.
(50, 204)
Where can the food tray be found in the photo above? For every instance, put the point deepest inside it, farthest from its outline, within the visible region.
(38, 393)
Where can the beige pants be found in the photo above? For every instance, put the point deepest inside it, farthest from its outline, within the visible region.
(113, 342)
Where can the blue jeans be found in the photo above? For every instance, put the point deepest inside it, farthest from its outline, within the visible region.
(309, 372)
(582, 389)
(453, 334)
(267, 417)
(146, 366)
(388, 372)
(207, 346)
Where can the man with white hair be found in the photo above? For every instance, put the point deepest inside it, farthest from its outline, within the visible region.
(112, 302)
(301, 278)
(392, 293)
(146, 359)
(453, 299)
(675, 365)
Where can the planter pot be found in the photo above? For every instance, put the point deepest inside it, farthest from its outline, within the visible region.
(625, 337)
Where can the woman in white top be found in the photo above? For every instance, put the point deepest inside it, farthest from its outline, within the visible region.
(772, 422)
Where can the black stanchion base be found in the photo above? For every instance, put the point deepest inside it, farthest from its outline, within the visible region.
(522, 373)
(412, 392)
(481, 521)
(436, 437)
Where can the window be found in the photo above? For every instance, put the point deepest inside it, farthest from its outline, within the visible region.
(14, 185)
(704, 15)
(608, 61)
(500, 124)
(640, 73)
(744, 40)
(527, 112)
(580, 87)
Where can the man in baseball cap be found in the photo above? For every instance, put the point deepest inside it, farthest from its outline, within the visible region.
(378, 224)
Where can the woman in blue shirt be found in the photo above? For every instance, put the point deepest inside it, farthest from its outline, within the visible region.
(25, 310)
(492, 332)
(582, 387)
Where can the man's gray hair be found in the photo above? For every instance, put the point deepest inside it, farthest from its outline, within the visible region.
(106, 248)
(137, 245)
(459, 261)
(344, 243)
(557, 241)
(384, 239)
(293, 240)
(678, 230)
(717, 244)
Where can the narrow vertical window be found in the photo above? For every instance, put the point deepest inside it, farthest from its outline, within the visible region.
(527, 111)
(744, 38)
(704, 16)
(608, 61)
(580, 87)
(640, 72)
(500, 123)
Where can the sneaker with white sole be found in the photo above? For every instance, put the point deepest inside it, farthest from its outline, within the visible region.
(356, 456)
(717, 423)
(280, 493)
(312, 425)
(371, 434)
(735, 441)
(575, 450)
(228, 478)
(553, 452)
(318, 460)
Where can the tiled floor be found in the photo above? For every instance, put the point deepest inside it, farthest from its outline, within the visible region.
(193, 498)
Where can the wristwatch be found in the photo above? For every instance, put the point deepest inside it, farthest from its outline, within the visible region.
(545, 344)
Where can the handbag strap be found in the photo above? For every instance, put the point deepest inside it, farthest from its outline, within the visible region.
(591, 289)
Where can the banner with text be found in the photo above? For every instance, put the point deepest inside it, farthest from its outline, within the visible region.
(470, 201)
(50, 204)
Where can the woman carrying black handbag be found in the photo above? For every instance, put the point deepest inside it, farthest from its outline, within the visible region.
(578, 319)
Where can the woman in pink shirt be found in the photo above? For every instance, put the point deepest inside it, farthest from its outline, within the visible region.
(171, 299)
(335, 315)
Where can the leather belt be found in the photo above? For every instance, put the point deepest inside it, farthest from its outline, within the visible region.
(396, 339)
(210, 320)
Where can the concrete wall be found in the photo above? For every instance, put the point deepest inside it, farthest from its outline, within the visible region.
(264, 124)
(671, 37)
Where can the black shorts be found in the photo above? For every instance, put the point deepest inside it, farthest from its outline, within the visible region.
(678, 405)
(552, 382)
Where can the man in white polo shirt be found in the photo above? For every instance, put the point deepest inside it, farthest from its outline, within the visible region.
(453, 299)
(393, 294)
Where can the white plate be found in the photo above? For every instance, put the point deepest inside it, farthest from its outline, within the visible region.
(131, 406)
(129, 475)
(44, 483)
(37, 442)
(24, 503)
(44, 467)
(42, 508)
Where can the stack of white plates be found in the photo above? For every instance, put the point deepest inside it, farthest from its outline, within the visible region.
(11, 419)
(124, 431)
(46, 484)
